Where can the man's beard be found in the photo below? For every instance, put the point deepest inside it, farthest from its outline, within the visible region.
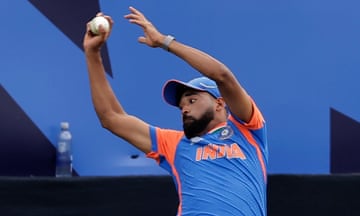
(196, 126)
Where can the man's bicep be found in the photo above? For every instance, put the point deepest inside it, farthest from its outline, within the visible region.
(133, 130)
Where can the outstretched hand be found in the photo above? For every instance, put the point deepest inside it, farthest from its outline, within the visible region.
(152, 37)
(94, 42)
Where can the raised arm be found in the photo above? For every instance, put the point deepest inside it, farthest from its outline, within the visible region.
(108, 109)
(233, 93)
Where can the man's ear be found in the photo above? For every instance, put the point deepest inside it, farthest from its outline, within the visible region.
(220, 104)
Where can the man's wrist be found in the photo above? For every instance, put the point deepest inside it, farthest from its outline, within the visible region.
(166, 42)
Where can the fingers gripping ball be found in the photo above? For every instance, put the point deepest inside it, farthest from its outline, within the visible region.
(96, 22)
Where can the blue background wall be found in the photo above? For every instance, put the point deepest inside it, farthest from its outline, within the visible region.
(299, 60)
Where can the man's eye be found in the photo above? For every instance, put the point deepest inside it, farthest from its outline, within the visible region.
(192, 101)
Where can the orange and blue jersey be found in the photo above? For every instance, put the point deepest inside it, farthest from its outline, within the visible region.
(220, 173)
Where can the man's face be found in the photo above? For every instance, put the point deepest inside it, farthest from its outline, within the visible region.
(197, 112)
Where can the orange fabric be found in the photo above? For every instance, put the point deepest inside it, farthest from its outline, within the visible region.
(167, 143)
(257, 119)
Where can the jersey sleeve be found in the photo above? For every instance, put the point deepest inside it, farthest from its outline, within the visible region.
(256, 121)
(164, 143)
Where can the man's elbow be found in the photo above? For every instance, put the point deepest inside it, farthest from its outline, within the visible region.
(223, 74)
(106, 119)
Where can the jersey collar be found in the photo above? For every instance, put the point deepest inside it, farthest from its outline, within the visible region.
(217, 127)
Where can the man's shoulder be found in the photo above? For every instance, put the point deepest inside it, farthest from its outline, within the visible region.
(169, 134)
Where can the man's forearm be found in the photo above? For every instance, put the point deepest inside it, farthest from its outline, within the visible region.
(199, 60)
(103, 97)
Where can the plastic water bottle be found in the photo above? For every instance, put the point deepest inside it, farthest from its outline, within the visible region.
(63, 152)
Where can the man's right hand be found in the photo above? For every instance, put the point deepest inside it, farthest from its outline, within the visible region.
(92, 42)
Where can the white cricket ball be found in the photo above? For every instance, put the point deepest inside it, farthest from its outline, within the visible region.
(96, 22)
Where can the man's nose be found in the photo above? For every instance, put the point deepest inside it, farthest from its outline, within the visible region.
(185, 110)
